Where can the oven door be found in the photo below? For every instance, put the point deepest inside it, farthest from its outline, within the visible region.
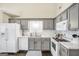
(54, 47)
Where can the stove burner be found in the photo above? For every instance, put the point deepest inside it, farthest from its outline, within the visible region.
(60, 40)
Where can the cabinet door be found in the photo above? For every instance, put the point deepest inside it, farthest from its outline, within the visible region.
(23, 43)
(73, 52)
(58, 19)
(73, 17)
(45, 44)
(31, 43)
(64, 15)
(14, 21)
(47, 24)
(24, 24)
(11, 21)
(37, 44)
(17, 21)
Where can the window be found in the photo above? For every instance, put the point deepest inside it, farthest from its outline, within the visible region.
(35, 26)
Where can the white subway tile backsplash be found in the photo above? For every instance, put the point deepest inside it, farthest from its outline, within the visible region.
(47, 33)
(52, 33)
(68, 34)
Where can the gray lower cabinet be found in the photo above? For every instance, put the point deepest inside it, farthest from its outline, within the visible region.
(45, 44)
(31, 43)
(63, 51)
(34, 44)
(38, 43)
(68, 52)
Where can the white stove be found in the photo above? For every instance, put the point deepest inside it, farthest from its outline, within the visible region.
(55, 46)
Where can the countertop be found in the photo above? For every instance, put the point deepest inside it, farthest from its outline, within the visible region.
(35, 37)
(70, 45)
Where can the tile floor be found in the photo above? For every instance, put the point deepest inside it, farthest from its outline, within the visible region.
(24, 53)
(46, 53)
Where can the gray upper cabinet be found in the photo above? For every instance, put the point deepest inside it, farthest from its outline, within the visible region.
(58, 18)
(54, 24)
(11, 21)
(24, 24)
(73, 17)
(14, 21)
(71, 14)
(64, 51)
(48, 24)
(64, 15)
(34, 43)
(17, 21)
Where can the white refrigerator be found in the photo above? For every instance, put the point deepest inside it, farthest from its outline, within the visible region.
(9, 33)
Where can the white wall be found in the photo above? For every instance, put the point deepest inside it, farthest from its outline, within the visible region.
(32, 10)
